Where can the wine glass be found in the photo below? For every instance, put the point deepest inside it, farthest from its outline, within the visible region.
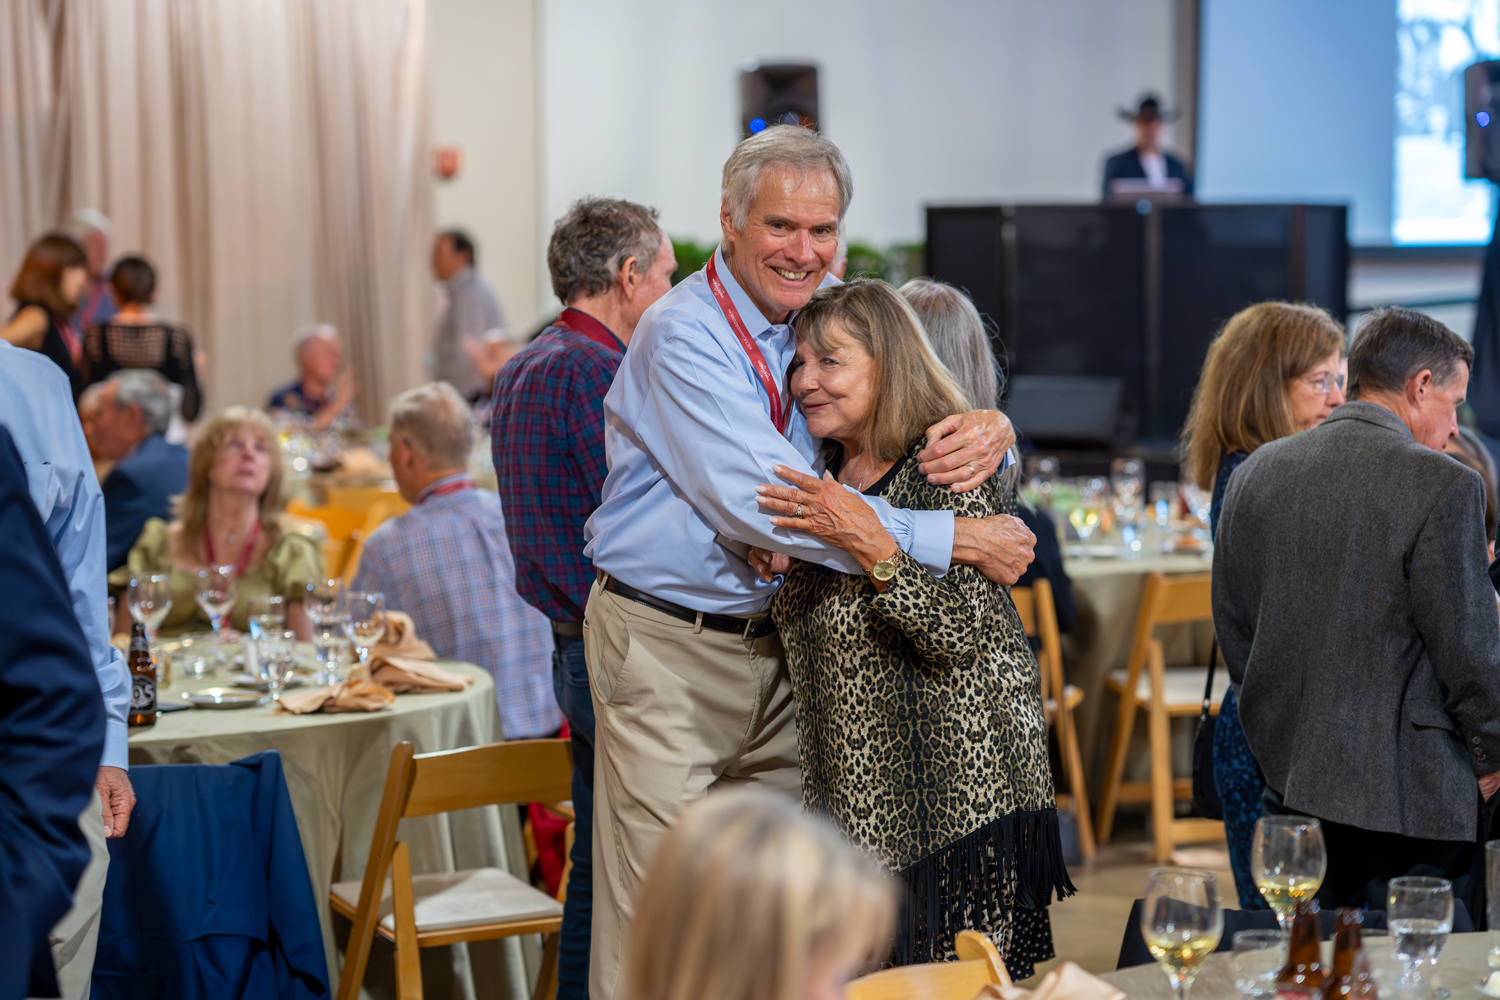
(321, 602)
(1181, 922)
(267, 614)
(1419, 912)
(1288, 860)
(364, 620)
(216, 594)
(276, 649)
(1085, 514)
(149, 600)
(1127, 479)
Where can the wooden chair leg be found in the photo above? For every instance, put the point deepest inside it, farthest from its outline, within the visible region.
(357, 951)
(1072, 761)
(546, 977)
(408, 954)
(1163, 796)
(1119, 746)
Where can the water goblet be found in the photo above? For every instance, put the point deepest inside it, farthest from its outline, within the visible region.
(217, 594)
(1419, 912)
(1256, 961)
(149, 600)
(1288, 861)
(364, 620)
(321, 602)
(1181, 922)
(267, 614)
(276, 651)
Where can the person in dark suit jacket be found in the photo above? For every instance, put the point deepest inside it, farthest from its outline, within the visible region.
(51, 738)
(1146, 161)
(135, 409)
(1355, 616)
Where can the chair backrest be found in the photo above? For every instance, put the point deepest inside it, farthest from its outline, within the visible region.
(493, 774)
(1039, 619)
(1168, 600)
(360, 499)
(354, 549)
(978, 966)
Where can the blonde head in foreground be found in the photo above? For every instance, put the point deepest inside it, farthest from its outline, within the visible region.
(749, 898)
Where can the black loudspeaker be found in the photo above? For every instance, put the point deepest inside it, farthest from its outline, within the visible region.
(779, 94)
(1128, 293)
(1482, 121)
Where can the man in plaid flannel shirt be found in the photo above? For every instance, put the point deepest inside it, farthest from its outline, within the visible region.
(609, 261)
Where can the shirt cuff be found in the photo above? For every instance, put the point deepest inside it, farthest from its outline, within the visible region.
(931, 541)
(116, 745)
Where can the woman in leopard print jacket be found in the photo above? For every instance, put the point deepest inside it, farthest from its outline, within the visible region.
(920, 719)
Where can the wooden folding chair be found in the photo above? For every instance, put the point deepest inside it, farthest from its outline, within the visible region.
(359, 499)
(1039, 618)
(1164, 693)
(978, 966)
(374, 518)
(425, 911)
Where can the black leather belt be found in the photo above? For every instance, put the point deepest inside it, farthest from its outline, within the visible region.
(749, 629)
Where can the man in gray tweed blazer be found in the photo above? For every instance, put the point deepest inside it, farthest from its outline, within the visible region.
(1358, 623)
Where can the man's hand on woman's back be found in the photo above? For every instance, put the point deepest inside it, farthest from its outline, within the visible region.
(966, 449)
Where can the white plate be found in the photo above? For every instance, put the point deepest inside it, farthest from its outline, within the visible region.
(222, 698)
(243, 680)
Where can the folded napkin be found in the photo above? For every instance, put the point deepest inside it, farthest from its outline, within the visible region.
(402, 675)
(400, 640)
(354, 695)
(1066, 982)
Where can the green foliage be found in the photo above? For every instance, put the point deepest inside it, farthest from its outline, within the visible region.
(690, 256)
(896, 263)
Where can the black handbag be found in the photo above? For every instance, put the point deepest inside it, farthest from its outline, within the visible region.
(1205, 791)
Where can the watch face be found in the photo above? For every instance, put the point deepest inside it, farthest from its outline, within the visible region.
(883, 570)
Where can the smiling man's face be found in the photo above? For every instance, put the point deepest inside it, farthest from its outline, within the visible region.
(790, 238)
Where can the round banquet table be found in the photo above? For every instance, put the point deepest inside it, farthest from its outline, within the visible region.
(335, 771)
(1108, 592)
(1464, 961)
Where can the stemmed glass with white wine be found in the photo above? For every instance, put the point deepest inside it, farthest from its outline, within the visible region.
(216, 595)
(1085, 514)
(1288, 860)
(364, 620)
(1181, 922)
(149, 600)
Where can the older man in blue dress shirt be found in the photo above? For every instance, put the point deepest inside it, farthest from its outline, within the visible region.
(689, 681)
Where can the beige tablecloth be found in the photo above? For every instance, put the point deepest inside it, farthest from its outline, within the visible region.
(1108, 592)
(1464, 961)
(335, 770)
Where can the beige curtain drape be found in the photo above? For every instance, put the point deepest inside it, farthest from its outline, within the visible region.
(269, 156)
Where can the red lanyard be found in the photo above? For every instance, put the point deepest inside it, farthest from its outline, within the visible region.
(757, 359)
(581, 322)
(239, 567)
(453, 487)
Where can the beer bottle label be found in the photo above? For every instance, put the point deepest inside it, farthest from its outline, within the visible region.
(142, 693)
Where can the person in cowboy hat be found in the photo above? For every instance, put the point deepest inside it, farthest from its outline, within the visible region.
(1146, 160)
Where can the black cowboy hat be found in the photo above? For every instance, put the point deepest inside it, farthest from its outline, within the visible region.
(1149, 111)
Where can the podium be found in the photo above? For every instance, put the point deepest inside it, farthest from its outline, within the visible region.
(1127, 296)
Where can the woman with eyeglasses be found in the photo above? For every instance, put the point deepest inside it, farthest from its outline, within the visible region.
(1274, 370)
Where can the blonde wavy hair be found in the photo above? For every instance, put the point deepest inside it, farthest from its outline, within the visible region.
(746, 893)
(913, 389)
(1242, 399)
(192, 507)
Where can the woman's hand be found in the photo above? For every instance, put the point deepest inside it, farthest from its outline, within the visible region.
(823, 508)
(965, 449)
(769, 565)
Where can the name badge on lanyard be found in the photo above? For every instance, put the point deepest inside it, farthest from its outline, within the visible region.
(757, 359)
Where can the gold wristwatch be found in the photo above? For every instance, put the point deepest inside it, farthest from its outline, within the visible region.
(885, 570)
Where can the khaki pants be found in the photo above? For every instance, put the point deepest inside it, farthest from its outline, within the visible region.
(678, 712)
(75, 938)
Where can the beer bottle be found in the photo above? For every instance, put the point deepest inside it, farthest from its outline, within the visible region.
(1351, 979)
(1303, 972)
(142, 679)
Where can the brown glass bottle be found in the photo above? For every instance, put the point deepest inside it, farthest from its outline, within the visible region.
(1304, 971)
(1351, 979)
(142, 679)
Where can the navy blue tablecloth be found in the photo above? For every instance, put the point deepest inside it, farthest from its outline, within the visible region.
(208, 894)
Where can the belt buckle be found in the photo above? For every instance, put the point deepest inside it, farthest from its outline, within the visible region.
(745, 635)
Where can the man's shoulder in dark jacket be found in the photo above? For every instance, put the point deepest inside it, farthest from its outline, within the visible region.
(141, 486)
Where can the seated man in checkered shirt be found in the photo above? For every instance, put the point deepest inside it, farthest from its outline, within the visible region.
(446, 562)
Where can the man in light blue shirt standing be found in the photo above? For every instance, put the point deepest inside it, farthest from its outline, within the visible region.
(688, 678)
(36, 405)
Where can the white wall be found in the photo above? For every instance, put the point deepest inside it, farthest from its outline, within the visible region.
(1297, 103)
(942, 101)
(483, 60)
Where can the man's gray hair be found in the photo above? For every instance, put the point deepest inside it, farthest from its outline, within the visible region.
(958, 338)
(312, 331)
(791, 146)
(593, 241)
(1394, 345)
(145, 388)
(436, 421)
(86, 220)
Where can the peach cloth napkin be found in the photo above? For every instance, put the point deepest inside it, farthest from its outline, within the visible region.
(1066, 982)
(354, 695)
(400, 640)
(400, 661)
